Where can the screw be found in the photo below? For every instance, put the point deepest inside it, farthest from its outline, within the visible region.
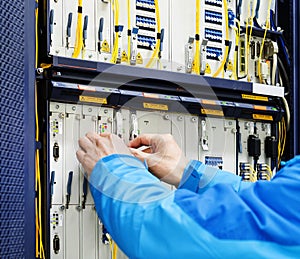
(39, 70)
(73, 108)
(105, 111)
(180, 118)
(90, 109)
(57, 107)
(166, 117)
(62, 207)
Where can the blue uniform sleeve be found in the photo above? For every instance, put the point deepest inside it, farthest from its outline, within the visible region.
(198, 177)
(149, 221)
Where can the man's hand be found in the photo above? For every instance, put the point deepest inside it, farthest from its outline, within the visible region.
(93, 147)
(165, 159)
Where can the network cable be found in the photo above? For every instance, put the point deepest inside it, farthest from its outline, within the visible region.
(39, 248)
(129, 30)
(79, 34)
(116, 43)
(197, 38)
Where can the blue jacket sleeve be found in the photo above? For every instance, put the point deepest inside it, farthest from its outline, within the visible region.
(149, 221)
(198, 177)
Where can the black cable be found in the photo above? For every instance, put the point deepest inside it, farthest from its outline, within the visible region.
(286, 80)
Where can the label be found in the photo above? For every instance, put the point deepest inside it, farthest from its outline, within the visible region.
(92, 99)
(262, 117)
(154, 96)
(259, 107)
(86, 88)
(209, 102)
(156, 106)
(255, 97)
(212, 112)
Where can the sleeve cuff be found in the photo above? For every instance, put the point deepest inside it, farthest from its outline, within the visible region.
(191, 177)
(197, 176)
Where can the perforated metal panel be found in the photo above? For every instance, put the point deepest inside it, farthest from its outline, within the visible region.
(14, 175)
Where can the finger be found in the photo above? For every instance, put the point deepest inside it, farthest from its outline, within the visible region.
(139, 154)
(92, 136)
(86, 161)
(80, 155)
(85, 143)
(142, 140)
(105, 134)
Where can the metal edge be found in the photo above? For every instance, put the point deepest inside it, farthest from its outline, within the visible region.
(296, 71)
(122, 74)
(29, 133)
(268, 90)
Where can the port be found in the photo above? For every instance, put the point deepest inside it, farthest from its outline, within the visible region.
(214, 161)
(247, 172)
(55, 151)
(145, 5)
(56, 244)
(252, 49)
(146, 42)
(242, 57)
(213, 17)
(217, 3)
(213, 53)
(258, 49)
(145, 23)
(213, 35)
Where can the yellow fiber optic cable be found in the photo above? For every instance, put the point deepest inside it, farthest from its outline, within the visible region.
(157, 45)
(129, 30)
(115, 250)
(38, 206)
(79, 34)
(237, 40)
(116, 43)
(263, 41)
(197, 38)
(251, 18)
(235, 54)
(221, 67)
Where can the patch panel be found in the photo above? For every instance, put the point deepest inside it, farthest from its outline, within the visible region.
(217, 3)
(146, 42)
(213, 53)
(146, 5)
(214, 161)
(145, 23)
(213, 17)
(213, 35)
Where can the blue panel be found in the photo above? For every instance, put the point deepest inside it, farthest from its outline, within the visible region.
(17, 231)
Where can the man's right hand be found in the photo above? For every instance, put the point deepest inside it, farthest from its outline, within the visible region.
(164, 157)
